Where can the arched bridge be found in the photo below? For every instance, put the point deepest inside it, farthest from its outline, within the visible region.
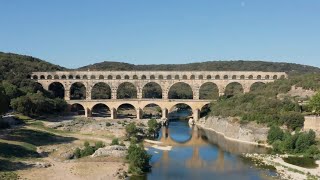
(140, 79)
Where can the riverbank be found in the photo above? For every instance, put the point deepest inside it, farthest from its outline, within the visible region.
(44, 149)
(284, 169)
(231, 129)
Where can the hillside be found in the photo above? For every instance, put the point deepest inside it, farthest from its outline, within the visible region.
(240, 65)
(15, 67)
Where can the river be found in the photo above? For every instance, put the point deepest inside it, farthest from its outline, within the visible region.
(199, 154)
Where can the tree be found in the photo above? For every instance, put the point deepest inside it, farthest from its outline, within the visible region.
(275, 133)
(153, 127)
(293, 120)
(314, 103)
(131, 130)
(138, 159)
(4, 104)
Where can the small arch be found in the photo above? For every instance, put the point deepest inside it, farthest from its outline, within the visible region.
(126, 77)
(56, 77)
(169, 77)
(34, 77)
(152, 90)
(63, 77)
(101, 77)
(217, 77)
(135, 77)
(49, 77)
(282, 77)
(275, 77)
(93, 77)
(152, 111)
(110, 77)
(209, 77)
(101, 91)
(242, 77)
(176, 77)
(77, 76)
(70, 77)
(259, 77)
(209, 90)
(77, 91)
(126, 90)
(143, 77)
(126, 111)
(118, 77)
(100, 110)
(225, 77)
(250, 77)
(84, 77)
(42, 77)
(77, 109)
(192, 77)
(233, 88)
(184, 77)
(234, 77)
(257, 86)
(267, 77)
(57, 90)
(200, 77)
(180, 90)
(152, 77)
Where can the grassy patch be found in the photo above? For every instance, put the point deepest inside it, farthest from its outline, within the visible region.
(16, 151)
(301, 161)
(8, 176)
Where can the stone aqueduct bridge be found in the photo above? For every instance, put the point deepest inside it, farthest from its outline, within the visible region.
(140, 78)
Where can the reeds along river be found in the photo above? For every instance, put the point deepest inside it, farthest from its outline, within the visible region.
(199, 154)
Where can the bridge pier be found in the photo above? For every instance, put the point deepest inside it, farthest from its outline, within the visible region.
(139, 113)
(196, 114)
(164, 113)
(113, 113)
(87, 112)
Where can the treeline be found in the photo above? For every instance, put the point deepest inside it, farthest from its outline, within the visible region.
(207, 66)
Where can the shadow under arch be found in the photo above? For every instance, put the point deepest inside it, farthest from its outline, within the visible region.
(152, 110)
(209, 90)
(126, 111)
(126, 90)
(78, 91)
(57, 89)
(233, 88)
(100, 110)
(101, 90)
(180, 90)
(152, 90)
(77, 109)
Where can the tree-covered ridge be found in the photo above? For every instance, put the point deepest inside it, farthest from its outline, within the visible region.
(15, 67)
(208, 66)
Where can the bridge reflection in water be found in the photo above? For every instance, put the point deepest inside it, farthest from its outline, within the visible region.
(201, 155)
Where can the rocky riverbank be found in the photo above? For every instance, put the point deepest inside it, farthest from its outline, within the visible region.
(232, 129)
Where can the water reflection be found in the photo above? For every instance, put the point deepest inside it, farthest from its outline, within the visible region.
(197, 154)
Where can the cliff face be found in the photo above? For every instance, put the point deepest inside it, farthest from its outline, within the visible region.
(232, 129)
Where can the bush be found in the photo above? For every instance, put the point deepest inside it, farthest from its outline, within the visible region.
(108, 124)
(138, 159)
(87, 150)
(131, 130)
(115, 141)
(275, 133)
(99, 144)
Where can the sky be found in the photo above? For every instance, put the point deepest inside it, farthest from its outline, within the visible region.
(74, 33)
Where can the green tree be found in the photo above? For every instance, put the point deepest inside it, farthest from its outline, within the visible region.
(314, 103)
(275, 133)
(138, 159)
(293, 120)
(131, 130)
(153, 127)
(4, 104)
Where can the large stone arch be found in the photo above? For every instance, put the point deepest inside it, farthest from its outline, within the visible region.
(78, 91)
(152, 90)
(233, 88)
(152, 110)
(209, 90)
(204, 110)
(180, 90)
(100, 110)
(57, 89)
(101, 90)
(174, 111)
(77, 109)
(127, 90)
(126, 110)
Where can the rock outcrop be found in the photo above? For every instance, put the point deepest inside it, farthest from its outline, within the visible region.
(231, 128)
(115, 150)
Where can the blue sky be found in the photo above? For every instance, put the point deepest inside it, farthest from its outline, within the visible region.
(73, 33)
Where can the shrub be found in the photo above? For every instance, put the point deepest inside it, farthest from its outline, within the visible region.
(131, 130)
(138, 159)
(108, 124)
(99, 144)
(275, 133)
(115, 141)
